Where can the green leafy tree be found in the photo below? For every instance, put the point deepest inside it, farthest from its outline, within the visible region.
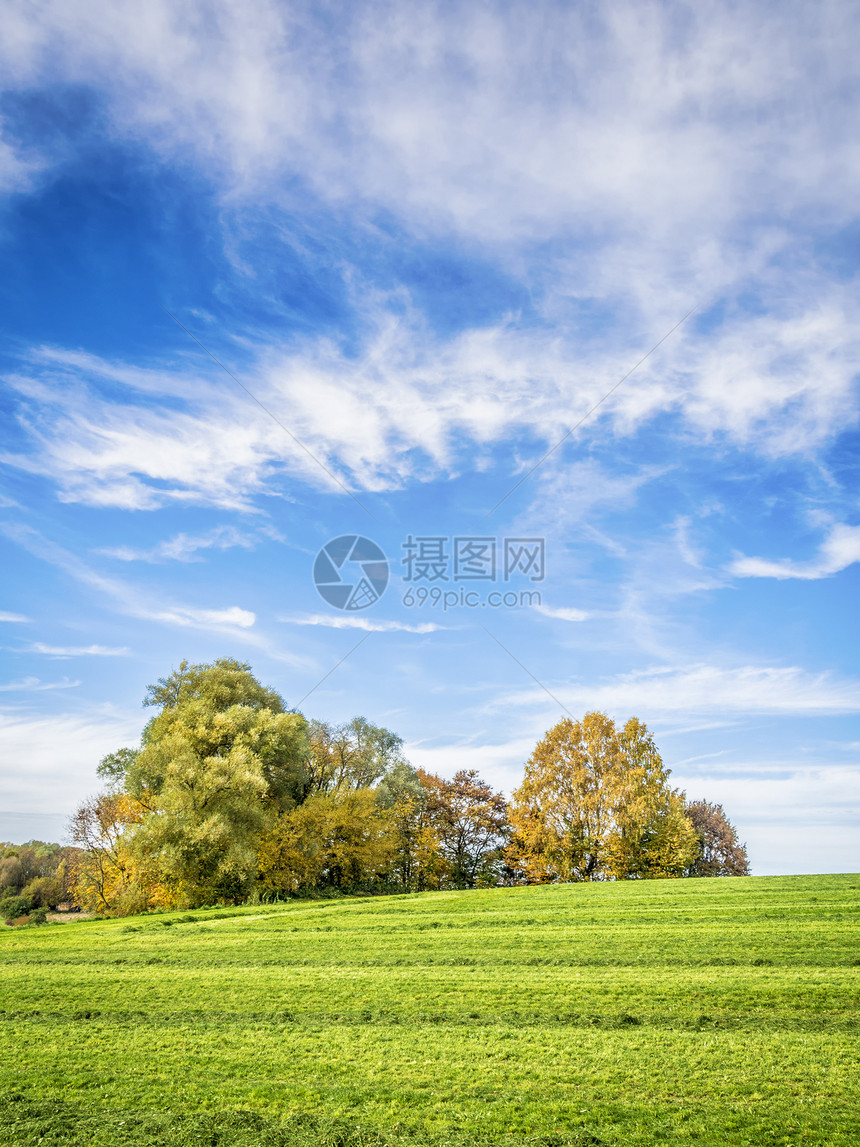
(11, 875)
(215, 710)
(218, 760)
(348, 757)
(115, 767)
(44, 891)
(224, 683)
(12, 908)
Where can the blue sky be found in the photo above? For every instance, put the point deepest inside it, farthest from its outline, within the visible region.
(429, 239)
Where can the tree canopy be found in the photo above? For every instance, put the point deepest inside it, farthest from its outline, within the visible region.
(595, 804)
(231, 795)
(718, 852)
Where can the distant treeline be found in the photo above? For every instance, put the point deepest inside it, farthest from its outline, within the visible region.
(231, 796)
(35, 877)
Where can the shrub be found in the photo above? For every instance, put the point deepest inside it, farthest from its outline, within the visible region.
(12, 907)
(44, 891)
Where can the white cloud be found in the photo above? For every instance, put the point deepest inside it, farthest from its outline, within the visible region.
(49, 763)
(493, 122)
(138, 457)
(414, 406)
(794, 818)
(563, 614)
(781, 383)
(705, 689)
(334, 621)
(19, 168)
(13, 617)
(183, 547)
(134, 601)
(563, 499)
(34, 685)
(78, 650)
(646, 148)
(243, 618)
(839, 550)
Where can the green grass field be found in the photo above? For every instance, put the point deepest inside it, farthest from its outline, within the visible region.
(675, 1011)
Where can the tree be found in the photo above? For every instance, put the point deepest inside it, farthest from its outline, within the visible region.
(471, 823)
(221, 770)
(11, 875)
(13, 908)
(595, 804)
(107, 875)
(334, 840)
(224, 683)
(211, 712)
(417, 863)
(349, 757)
(718, 851)
(361, 822)
(115, 767)
(39, 871)
(219, 759)
(44, 891)
(35, 858)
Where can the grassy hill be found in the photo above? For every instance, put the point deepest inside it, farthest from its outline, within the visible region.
(688, 1011)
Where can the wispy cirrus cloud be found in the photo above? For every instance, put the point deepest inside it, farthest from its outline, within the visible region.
(13, 618)
(19, 166)
(232, 620)
(62, 651)
(416, 406)
(184, 547)
(35, 685)
(415, 115)
(732, 691)
(562, 613)
(215, 618)
(840, 549)
(337, 621)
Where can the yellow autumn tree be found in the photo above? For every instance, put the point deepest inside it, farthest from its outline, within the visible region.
(108, 874)
(595, 804)
(417, 861)
(343, 840)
